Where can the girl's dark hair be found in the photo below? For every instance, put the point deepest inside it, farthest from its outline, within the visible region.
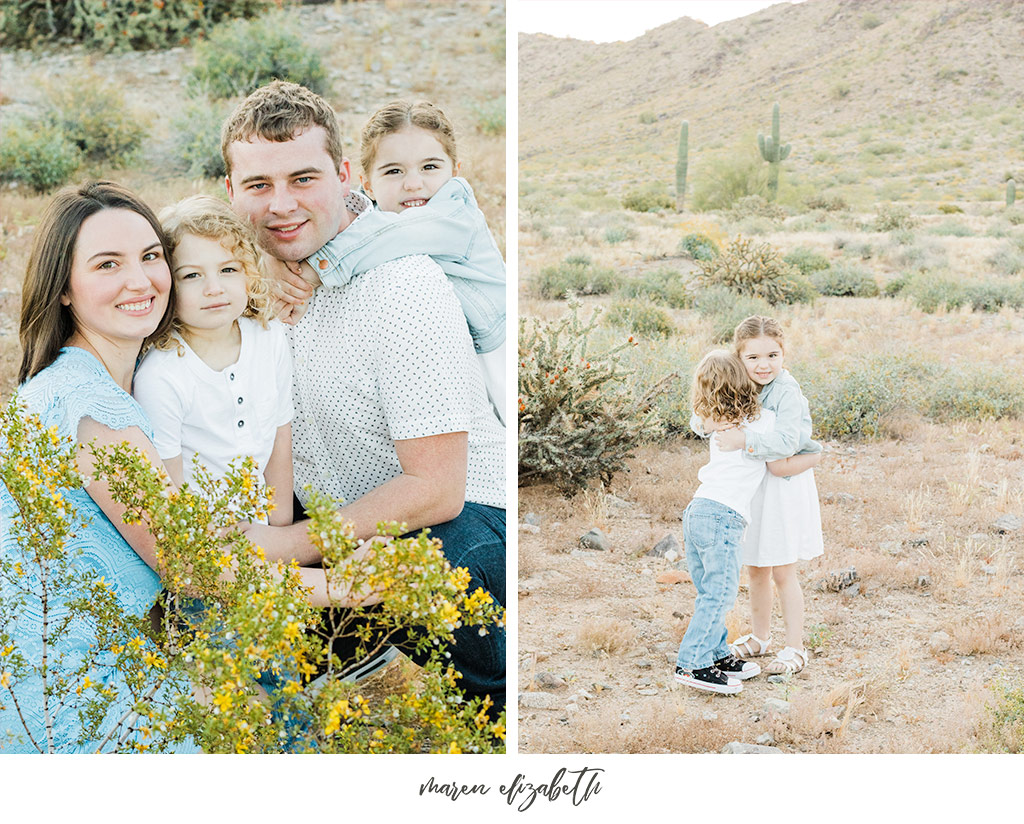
(46, 324)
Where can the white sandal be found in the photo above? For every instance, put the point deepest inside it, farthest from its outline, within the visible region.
(741, 647)
(788, 662)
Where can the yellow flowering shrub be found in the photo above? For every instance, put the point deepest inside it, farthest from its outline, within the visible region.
(231, 620)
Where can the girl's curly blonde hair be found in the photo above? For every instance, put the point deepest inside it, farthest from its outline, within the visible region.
(722, 391)
(208, 217)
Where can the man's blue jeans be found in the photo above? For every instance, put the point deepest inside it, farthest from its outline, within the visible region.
(714, 539)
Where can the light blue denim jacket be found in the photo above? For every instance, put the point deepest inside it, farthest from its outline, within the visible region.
(453, 231)
(792, 432)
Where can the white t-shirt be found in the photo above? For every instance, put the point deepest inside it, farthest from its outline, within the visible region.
(384, 358)
(732, 478)
(219, 415)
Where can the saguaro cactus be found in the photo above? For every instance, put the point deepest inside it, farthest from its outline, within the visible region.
(682, 162)
(773, 151)
(1011, 192)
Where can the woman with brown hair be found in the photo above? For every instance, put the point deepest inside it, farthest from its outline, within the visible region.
(98, 284)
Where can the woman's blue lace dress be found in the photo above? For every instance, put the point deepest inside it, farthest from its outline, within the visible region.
(75, 386)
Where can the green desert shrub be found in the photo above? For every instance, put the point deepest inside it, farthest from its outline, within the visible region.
(933, 292)
(579, 419)
(726, 179)
(576, 275)
(242, 55)
(725, 309)
(854, 403)
(197, 137)
(118, 25)
(647, 118)
(950, 228)
(93, 115)
(618, 234)
(975, 394)
(647, 199)
(827, 203)
(806, 260)
(892, 216)
(845, 279)
(490, 116)
(991, 296)
(749, 268)
(1002, 727)
(1008, 259)
(664, 285)
(698, 246)
(896, 285)
(642, 318)
(37, 155)
(925, 256)
(757, 206)
(950, 209)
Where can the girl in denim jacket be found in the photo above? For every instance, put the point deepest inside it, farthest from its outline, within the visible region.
(785, 524)
(714, 523)
(409, 160)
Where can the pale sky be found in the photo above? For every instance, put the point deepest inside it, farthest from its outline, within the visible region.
(605, 21)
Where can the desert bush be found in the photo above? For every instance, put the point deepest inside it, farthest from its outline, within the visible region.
(242, 55)
(950, 228)
(950, 209)
(757, 206)
(991, 296)
(490, 116)
(726, 179)
(827, 203)
(118, 25)
(725, 309)
(93, 115)
(256, 624)
(647, 118)
(664, 285)
(698, 246)
(892, 216)
(576, 275)
(896, 285)
(1008, 259)
(578, 418)
(1014, 216)
(933, 292)
(749, 268)
(647, 199)
(974, 394)
(641, 318)
(1002, 729)
(853, 403)
(618, 234)
(927, 256)
(38, 155)
(845, 280)
(197, 137)
(807, 261)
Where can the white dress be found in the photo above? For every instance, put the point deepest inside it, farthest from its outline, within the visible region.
(785, 522)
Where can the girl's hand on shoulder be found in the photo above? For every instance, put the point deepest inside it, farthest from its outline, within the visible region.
(287, 283)
(729, 440)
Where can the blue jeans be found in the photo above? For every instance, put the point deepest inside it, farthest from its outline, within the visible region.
(714, 539)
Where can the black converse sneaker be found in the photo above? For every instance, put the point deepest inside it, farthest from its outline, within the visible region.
(710, 679)
(738, 668)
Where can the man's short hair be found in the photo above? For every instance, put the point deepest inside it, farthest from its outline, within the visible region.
(277, 112)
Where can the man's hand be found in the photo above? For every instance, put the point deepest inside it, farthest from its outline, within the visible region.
(287, 281)
(729, 440)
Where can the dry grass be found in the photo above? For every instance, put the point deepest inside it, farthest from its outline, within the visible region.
(606, 635)
(983, 634)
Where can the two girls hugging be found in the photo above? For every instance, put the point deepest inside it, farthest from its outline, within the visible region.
(757, 503)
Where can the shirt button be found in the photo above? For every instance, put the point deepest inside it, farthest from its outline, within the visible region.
(750, 449)
(232, 376)
(241, 424)
(239, 400)
(323, 264)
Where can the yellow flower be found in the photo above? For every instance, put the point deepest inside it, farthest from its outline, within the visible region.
(454, 748)
(222, 700)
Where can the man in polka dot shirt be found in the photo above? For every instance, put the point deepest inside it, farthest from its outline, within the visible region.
(391, 413)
